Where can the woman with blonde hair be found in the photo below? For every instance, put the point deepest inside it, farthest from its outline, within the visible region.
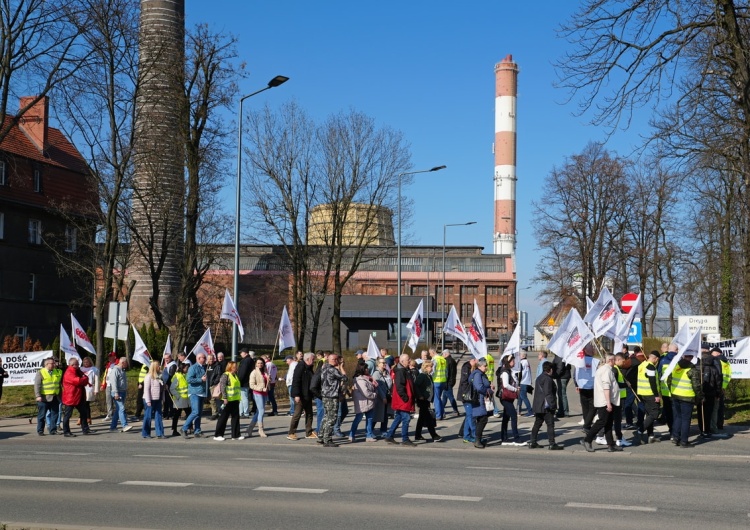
(153, 397)
(229, 384)
(259, 384)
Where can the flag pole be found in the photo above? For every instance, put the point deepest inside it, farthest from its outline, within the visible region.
(275, 343)
(406, 343)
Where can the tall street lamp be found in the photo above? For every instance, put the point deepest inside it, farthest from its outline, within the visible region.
(398, 254)
(442, 328)
(276, 81)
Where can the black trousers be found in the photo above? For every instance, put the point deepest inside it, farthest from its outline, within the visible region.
(705, 410)
(547, 418)
(425, 419)
(481, 424)
(604, 421)
(587, 406)
(666, 410)
(651, 412)
(139, 401)
(82, 412)
(232, 408)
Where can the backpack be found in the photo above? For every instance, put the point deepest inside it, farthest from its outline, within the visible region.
(471, 395)
(316, 383)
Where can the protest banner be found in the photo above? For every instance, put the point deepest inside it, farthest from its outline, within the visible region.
(23, 366)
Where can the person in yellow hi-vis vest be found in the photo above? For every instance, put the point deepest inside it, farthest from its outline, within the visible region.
(686, 387)
(439, 382)
(47, 392)
(717, 416)
(229, 384)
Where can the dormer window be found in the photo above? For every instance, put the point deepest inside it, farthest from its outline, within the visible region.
(3, 173)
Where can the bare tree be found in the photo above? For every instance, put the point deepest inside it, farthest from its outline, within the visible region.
(281, 190)
(579, 225)
(210, 84)
(40, 49)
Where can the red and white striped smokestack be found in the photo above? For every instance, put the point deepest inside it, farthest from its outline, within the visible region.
(506, 90)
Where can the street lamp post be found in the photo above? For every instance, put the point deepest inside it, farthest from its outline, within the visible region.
(518, 305)
(442, 326)
(398, 254)
(276, 81)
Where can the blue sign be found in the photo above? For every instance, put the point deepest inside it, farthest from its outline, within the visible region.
(636, 335)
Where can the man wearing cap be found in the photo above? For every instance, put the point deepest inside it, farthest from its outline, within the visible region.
(105, 385)
(291, 363)
(647, 386)
(243, 374)
(712, 379)
(717, 418)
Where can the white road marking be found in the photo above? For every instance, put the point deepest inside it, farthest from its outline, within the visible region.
(289, 490)
(63, 454)
(51, 479)
(634, 475)
(440, 497)
(610, 507)
(159, 456)
(261, 459)
(158, 484)
(496, 468)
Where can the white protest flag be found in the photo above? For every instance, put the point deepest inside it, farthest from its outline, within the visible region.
(415, 327)
(691, 347)
(475, 334)
(682, 337)
(67, 346)
(167, 348)
(589, 304)
(571, 337)
(622, 331)
(602, 316)
(204, 345)
(141, 353)
(513, 349)
(454, 327)
(286, 333)
(229, 312)
(373, 352)
(80, 337)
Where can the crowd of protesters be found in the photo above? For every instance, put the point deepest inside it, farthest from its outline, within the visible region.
(387, 393)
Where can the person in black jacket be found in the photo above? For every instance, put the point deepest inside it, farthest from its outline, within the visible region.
(303, 397)
(451, 367)
(468, 428)
(545, 404)
(712, 379)
(561, 374)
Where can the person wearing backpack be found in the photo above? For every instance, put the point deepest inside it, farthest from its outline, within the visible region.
(481, 385)
(712, 379)
(545, 404)
(468, 428)
(302, 396)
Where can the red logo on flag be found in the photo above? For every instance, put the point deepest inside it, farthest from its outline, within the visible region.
(581, 355)
(82, 335)
(418, 327)
(609, 313)
(573, 338)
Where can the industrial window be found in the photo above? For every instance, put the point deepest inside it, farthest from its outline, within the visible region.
(35, 232)
(3, 174)
(467, 310)
(21, 333)
(37, 180)
(469, 289)
(32, 286)
(70, 238)
(419, 290)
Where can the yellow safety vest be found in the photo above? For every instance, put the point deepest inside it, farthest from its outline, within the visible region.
(142, 374)
(440, 375)
(644, 387)
(663, 385)
(682, 386)
(621, 379)
(726, 373)
(182, 386)
(233, 387)
(51, 381)
(490, 366)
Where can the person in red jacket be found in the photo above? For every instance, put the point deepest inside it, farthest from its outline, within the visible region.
(402, 401)
(74, 384)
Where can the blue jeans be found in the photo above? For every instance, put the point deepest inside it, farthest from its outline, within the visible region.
(437, 401)
(245, 401)
(260, 403)
(119, 412)
(402, 417)
(291, 402)
(523, 399)
(318, 413)
(158, 421)
(196, 408)
(470, 424)
(341, 414)
(51, 407)
(681, 411)
(448, 395)
(369, 423)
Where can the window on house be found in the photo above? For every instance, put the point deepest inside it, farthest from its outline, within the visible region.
(419, 290)
(70, 238)
(21, 333)
(35, 232)
(3, 174)
(37, 180)
(32, 286)
(2, 225)
(469, 289)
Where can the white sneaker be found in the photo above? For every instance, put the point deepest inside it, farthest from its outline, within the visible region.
(127, 428)
(219, 438)
(623, 443)
(581, 422)
(240, 438)
(600, 440)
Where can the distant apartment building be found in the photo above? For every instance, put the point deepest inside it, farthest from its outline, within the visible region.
(42, 175)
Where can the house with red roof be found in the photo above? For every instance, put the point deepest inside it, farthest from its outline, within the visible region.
(48, 206)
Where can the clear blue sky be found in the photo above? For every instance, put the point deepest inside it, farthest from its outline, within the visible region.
(425, 68)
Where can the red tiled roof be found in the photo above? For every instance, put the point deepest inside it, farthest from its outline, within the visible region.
(59, 151)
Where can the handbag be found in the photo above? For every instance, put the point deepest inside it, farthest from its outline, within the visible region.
(508, 395)
(216, 392)
(488, 404)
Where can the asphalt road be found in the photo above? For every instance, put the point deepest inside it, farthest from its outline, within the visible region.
(120, 480)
